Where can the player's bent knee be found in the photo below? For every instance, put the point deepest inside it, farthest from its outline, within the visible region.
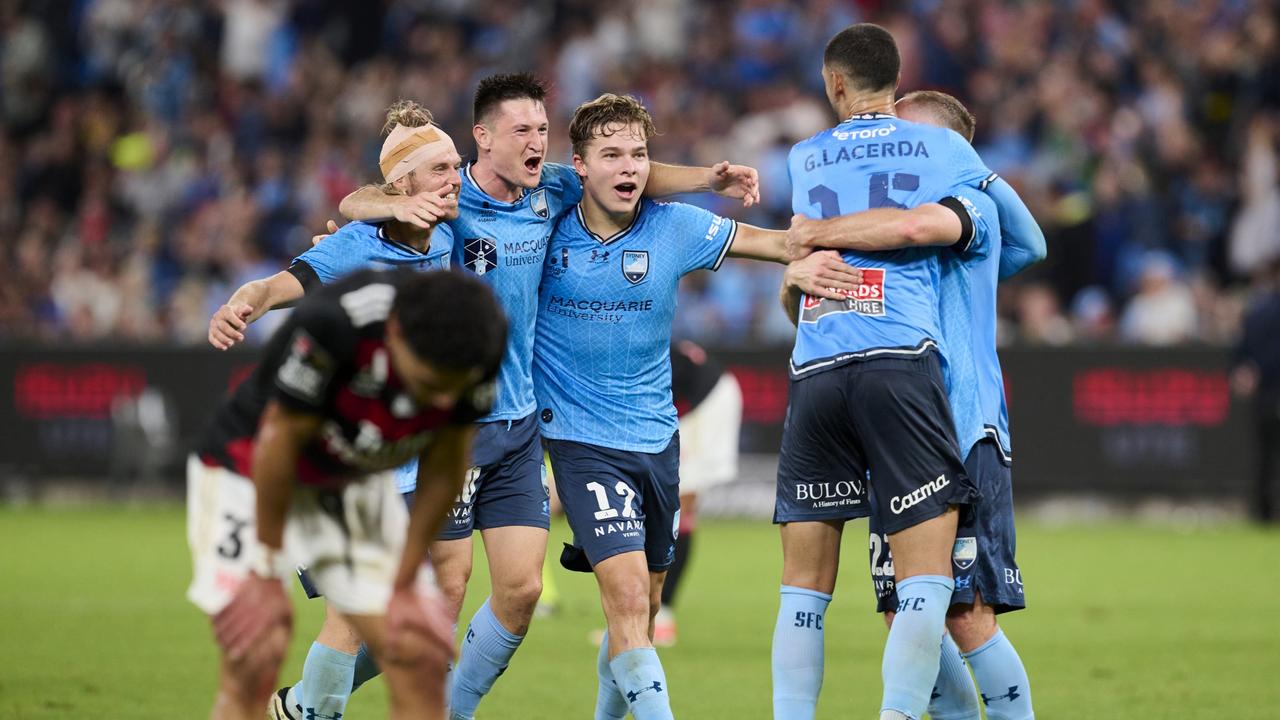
(522, 595)
(971, 625)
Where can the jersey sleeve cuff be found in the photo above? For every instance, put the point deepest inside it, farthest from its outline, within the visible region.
(728, 243)
(306, 275)
(968, 231)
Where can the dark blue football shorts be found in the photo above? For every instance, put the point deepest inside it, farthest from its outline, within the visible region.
(620, 501)
(506, 486)
(884, 421)
(982, 559)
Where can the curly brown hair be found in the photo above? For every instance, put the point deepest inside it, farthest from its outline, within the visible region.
(598, 117)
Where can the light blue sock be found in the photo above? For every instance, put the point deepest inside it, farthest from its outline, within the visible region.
(640, 678)
(955, 697)
(610, 705)
(913, 649)
(366, 669)
(325, 687)
(1006, 691)
(486, 651)
(798, 652)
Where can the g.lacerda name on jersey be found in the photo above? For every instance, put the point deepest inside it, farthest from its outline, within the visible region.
(876, 161)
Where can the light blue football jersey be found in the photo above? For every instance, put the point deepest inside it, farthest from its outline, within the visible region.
(876, 161)
(967, 313)
(360, 246)
(602, 360)
(975, 382)
(505, 244)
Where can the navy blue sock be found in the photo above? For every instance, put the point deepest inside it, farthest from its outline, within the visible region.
(913, 649)
(798, 652)
(1006, 691)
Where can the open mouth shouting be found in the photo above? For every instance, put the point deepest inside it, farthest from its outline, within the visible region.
(625, 190)
(533, 164)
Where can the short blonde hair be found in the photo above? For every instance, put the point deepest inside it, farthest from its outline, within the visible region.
(946, 107)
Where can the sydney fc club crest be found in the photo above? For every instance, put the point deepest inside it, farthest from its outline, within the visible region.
(635, 265)
(480, 255)
(964, 552)
(538, 202)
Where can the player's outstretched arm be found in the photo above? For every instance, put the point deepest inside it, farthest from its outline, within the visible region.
(882, 229)
(723, 178)
(1022, 240)
(423, 210)
(250, 302)
(823, 274)
(760, 244)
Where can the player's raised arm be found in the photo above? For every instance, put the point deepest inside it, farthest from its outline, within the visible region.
(248, 303)
(1022, 240)
(942, 223)
(724, 178)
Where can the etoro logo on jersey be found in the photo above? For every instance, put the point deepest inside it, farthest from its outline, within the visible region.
(866, 299)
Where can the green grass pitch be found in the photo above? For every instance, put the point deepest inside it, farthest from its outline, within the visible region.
(1125, 622)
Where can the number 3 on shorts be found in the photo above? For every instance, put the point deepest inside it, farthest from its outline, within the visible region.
(231, 547)
(602, 499)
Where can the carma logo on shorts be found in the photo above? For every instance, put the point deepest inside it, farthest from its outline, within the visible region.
(900, 503)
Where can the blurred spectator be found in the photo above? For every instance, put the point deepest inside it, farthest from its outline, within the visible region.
(1163, 312)
(153, 152)
(1256, 374)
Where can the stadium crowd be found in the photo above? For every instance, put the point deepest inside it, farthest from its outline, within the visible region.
(156, 155)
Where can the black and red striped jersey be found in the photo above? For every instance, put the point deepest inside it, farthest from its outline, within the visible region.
(330, 358)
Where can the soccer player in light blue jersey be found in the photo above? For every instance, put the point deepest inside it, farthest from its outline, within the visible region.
(509, 203)
(603, 378)
(988, 581)
(421, 163)
(869, 420)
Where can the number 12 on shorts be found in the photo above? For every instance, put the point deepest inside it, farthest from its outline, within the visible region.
(602, 499)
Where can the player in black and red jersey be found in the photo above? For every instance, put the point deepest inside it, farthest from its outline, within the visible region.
(298, 469)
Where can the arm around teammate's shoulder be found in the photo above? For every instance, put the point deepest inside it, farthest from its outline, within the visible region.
(424, 210)
(930, 224)
(250, 302)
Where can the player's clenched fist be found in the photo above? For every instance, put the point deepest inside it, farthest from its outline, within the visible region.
(824, 274)
(227, 326)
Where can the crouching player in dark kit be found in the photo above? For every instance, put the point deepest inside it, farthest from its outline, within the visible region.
(298, 470)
